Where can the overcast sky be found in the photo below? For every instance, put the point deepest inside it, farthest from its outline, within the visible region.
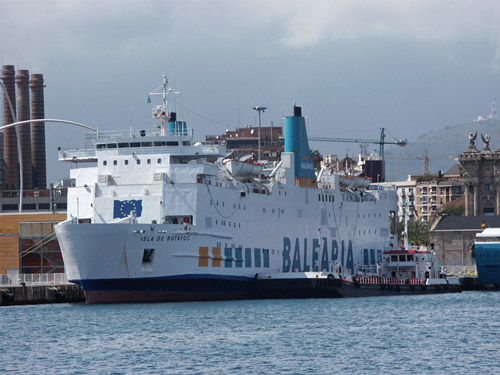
(353, 66)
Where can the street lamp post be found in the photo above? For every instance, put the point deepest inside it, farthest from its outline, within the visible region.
(259, 109)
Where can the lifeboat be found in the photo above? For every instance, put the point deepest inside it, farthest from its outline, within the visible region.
(243, 169)
(355, 182)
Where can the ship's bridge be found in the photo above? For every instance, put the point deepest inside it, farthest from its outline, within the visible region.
(177, 141)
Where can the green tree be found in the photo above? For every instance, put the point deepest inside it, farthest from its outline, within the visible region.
(418, 232)
(454, 208)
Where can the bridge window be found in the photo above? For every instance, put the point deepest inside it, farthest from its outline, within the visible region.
(138, 161)
(100, 146)
(149, 161)
(172, 143)
(111, 145)
(159, 161)
(126, 162)
(186, 143)
(135, 144)
(115, 162)
(147, 144)
(159, 144)
(104, 162)
(123, 145)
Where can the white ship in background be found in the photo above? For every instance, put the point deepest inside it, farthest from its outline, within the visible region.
(158, 217)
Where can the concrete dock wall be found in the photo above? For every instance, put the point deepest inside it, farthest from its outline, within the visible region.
(26, 295)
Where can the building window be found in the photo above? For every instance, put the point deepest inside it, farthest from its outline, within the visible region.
(10, 207)
(487, 187)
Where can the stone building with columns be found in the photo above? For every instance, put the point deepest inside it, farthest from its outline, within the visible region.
(452, 237)
(481, 174)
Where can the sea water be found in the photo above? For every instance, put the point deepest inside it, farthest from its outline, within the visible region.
(425, 334)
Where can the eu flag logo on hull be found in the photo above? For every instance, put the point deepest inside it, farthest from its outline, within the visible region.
(124, 208)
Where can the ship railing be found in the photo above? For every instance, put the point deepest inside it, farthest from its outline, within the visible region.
(382, 186)
(70, 155)
(21, 279)
(389, 280)
(135, 133)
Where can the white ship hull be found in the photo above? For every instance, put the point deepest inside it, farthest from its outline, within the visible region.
(268, 233)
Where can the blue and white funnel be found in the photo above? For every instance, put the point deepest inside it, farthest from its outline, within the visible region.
(296, 143)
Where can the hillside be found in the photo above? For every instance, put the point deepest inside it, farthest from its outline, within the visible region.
(449, 141)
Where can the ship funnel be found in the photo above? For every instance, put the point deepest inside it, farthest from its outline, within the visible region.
(296, 142)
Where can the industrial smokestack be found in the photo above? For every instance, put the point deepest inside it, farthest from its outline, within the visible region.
(11, 161)
(38, 132)
(23, 114)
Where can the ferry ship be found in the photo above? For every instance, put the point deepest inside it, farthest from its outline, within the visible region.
(487, 252)
(159, 217)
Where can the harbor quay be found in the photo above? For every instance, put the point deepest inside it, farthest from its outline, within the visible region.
(30, 289)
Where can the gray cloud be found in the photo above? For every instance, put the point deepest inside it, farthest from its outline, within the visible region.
(410, 66)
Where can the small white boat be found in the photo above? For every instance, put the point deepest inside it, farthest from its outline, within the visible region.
(242, 169)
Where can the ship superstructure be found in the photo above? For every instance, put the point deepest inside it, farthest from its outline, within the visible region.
(159, 217)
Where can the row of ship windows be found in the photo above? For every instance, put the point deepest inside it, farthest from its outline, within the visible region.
(228, 223)
(326, 198)
(280, 210)
(374, 215)
(234, 204)
(369, 231)
(102, 146)
(138, 161)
